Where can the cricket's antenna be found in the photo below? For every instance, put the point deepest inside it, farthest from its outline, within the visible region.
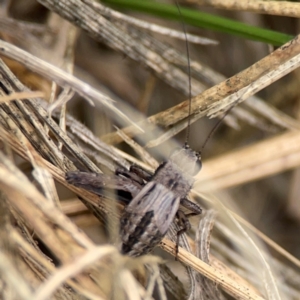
(216, 127)
(190, 88)
(188, 71)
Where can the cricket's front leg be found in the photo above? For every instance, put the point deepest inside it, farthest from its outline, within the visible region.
(130, 175)
(147, 176)
(183, 218)
(135, 173)
(185, 225)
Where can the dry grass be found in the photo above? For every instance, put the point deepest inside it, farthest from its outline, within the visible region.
(246, 244)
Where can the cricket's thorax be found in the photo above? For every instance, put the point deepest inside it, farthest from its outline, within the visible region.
(177, 173)
(179, 183)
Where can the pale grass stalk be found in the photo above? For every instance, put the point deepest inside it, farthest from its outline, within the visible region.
(217, 276)
(21, 95)
(73, 206)
(62, 78)
(144, 155)
(153, 279)
(223, 96)
(14, 278)
(268, 241)
(261, 235)
(42, 176)
(57, 174)
(112, 14)
(160, 283)
(279, 8)
(48, 222)
(134, 160)
(252, 245)
(67, 271)
(266, 158)
(130, 287)
(39, 259)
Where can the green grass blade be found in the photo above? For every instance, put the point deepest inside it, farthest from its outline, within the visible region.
(204, 20)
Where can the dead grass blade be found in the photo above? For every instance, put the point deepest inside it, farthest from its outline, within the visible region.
(167, 63)
(202, 244)
(21, 95)
(118, 17)
(217, 276)
(276, 155)
(144, 155)
(236, 89)
(280, 8)
(72, 269)
(61, 77)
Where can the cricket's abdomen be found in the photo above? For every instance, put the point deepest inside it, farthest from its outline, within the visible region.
(146, 219)
(144, 236)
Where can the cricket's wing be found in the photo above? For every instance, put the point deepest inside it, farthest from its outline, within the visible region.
(147, 218)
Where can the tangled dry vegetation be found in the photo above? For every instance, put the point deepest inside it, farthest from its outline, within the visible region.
(56, 239)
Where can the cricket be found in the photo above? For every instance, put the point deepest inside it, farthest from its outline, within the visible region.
(147, 217)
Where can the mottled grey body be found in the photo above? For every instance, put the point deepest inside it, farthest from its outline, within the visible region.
(146, 219)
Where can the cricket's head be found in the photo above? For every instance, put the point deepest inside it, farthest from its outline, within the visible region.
(187, 160)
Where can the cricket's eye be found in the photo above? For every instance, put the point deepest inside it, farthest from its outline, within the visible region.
(197, 167)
